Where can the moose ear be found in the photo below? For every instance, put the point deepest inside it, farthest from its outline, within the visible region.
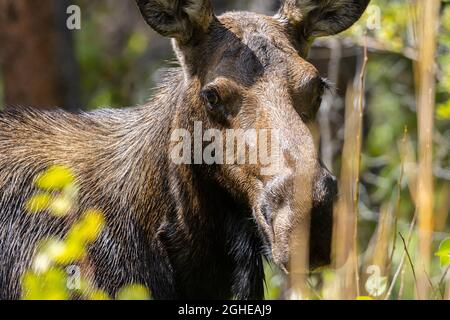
(318, 18)
(179, 19)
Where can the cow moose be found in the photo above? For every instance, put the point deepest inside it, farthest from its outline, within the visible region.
(187, 230)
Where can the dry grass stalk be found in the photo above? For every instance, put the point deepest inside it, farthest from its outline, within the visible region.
(346, 210)
(400, 269)
(399, 196)
(428, 17)
(411, 263)
(377, 254)
(447, 293)
(299, 264)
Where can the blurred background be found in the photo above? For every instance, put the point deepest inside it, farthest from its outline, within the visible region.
(385, 130)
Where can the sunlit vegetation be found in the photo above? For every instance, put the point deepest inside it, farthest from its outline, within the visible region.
(57, 272)
(384, 260)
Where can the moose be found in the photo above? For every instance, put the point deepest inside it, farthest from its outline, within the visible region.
(189, 230)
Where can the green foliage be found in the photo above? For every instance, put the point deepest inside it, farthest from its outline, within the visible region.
(48, 279)
(444, 253)
(274, 282)
(133, 292)
(38, 203)
(390, 107)
(110, 64)
(365, 298)
(49, 285)
(443, 111)
(444, 57)
(388, 24)
(137, 43)
(58, 192)
(55, 178)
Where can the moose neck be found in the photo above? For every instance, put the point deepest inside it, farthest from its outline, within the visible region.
(212, 226)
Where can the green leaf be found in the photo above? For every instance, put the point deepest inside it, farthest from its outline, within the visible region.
(38, 203)
(133, 292)
(50, 285)
(69, 252)
(443, 111)
(137, 44)
(93, 223)
(88, 228)
(98, 295)
(55, 178)
(444, 253)
(363, 298)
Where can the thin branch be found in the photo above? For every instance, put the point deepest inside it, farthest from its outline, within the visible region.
(397, 205)
(402, 261)
(313, 290)
(442, 281)
(436, 291)
(362, 80)
(409, 258)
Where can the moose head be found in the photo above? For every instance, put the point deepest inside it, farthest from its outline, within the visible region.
(246, 72)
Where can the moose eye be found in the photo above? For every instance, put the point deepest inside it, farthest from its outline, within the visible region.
(211, 96)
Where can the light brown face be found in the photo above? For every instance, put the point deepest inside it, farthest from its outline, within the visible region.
(247, 75)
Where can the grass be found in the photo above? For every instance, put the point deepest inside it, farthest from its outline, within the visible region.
(399, 261)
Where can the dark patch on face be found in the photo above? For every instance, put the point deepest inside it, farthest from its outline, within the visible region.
(228, 56)
(247, 50)
(249, 64)
(12, 13)
(260, 56)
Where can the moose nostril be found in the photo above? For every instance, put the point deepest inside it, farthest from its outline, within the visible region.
(332, 184)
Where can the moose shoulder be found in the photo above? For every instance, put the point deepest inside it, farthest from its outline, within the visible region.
(194, 229)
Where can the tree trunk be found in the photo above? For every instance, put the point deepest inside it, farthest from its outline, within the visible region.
(36, 56)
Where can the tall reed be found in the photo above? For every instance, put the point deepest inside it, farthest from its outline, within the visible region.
(427, 30)
(346, 209)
